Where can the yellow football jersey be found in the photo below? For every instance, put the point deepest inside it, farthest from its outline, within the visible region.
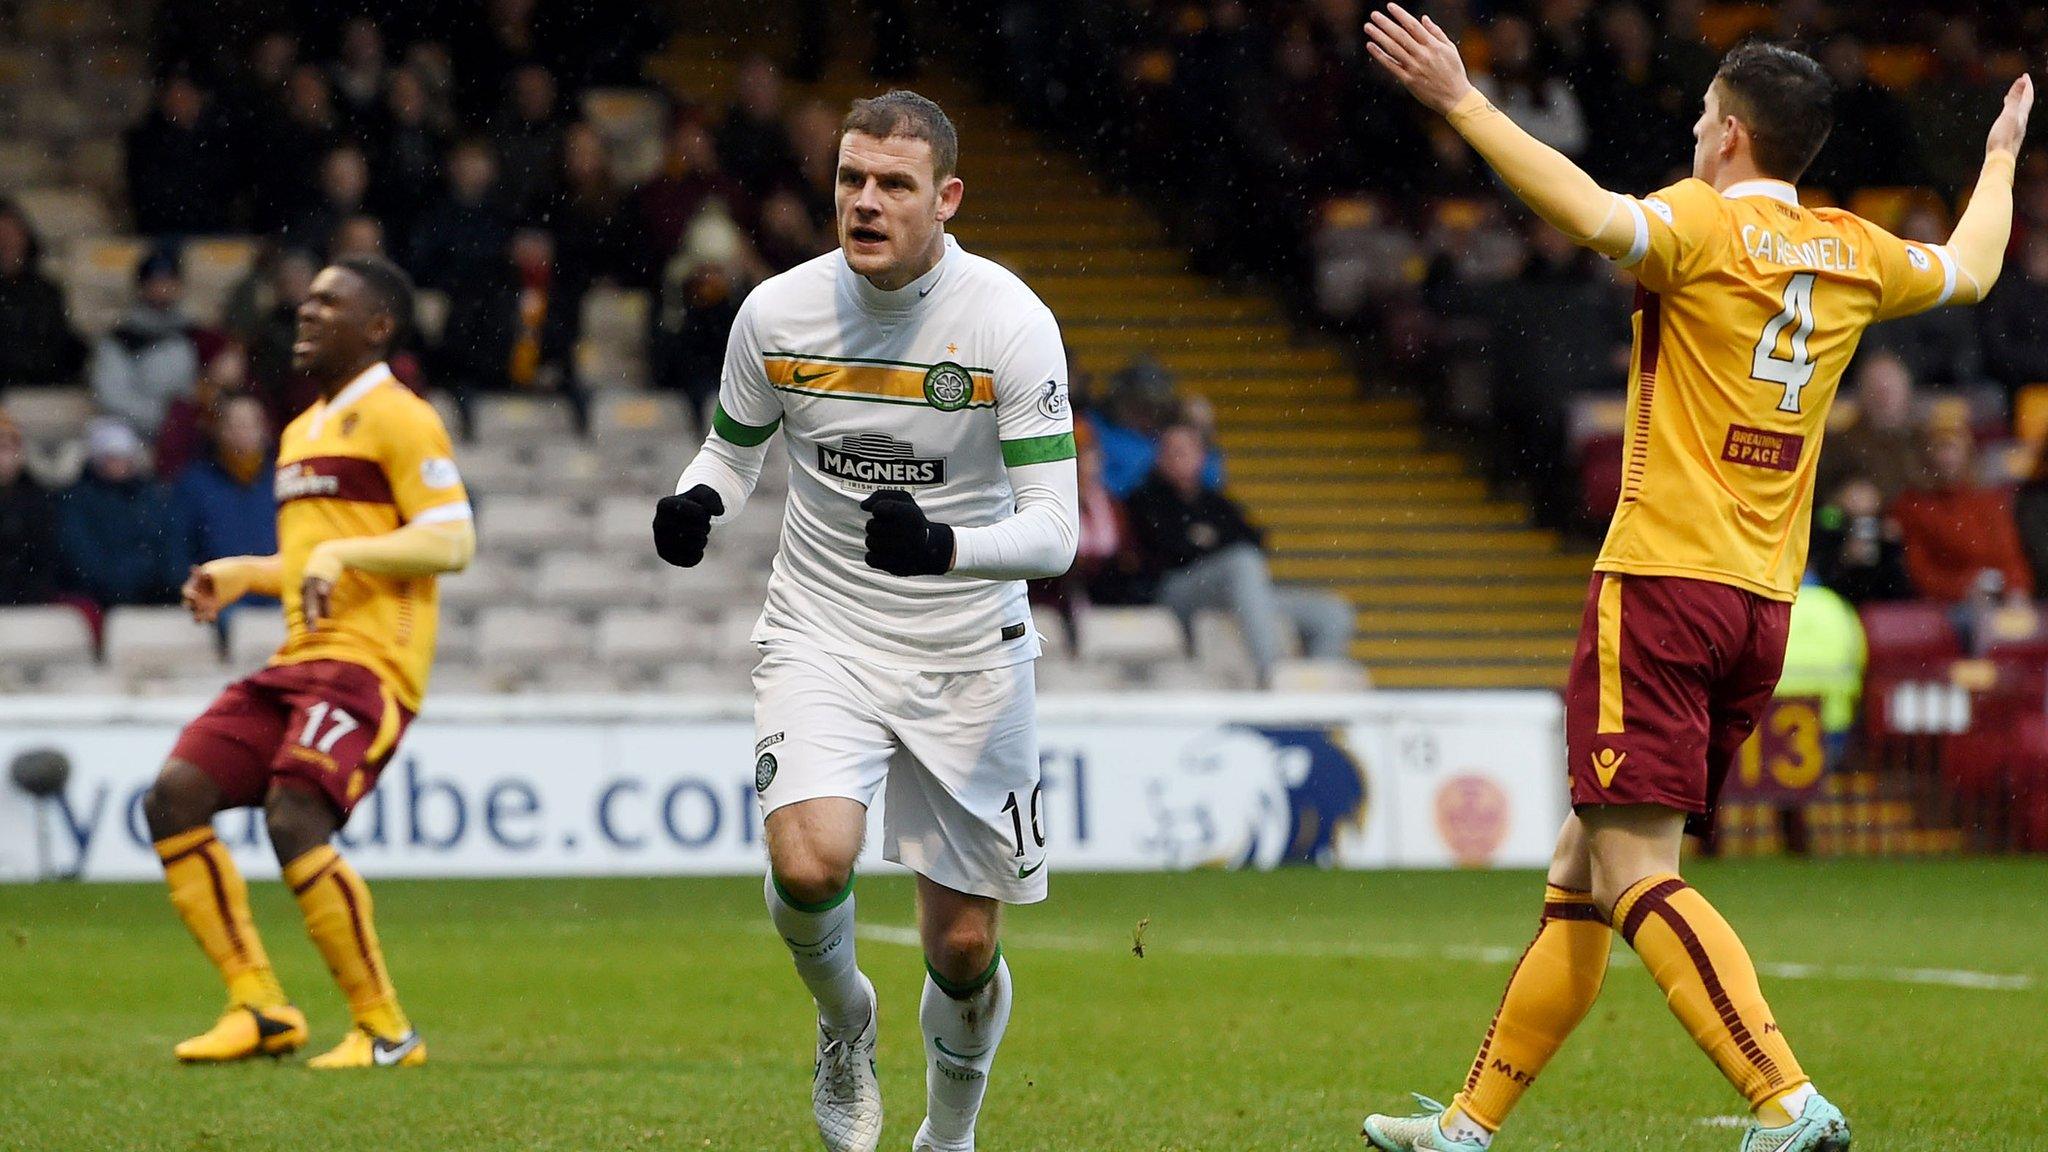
(370, 460)
(1750, 307)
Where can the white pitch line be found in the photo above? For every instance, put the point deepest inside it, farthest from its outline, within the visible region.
(1724, 1121)
(1476, 954)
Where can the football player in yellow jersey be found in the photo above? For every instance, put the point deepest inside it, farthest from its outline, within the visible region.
(1749, 307)
(370, 510)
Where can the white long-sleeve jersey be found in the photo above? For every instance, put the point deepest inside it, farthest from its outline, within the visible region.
(954, 389)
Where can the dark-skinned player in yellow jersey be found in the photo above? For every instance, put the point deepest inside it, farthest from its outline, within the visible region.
(370, 510)
(1749, 306)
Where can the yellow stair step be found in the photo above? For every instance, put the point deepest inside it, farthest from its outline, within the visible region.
(1395, 649)
(1389, 593)
(1307, 507)
(1467, 676)
(1323, 440)
(1292, 540)
(1477, 619)
(1328, 479)
(1355, 569)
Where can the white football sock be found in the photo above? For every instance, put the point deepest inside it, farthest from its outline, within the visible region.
(821, 944)
(960, 1039)
(1458, 1126)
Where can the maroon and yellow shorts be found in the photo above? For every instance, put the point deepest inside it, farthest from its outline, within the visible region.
(1670, 677)
(327, 724)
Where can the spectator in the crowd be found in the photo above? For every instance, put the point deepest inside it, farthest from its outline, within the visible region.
(263, 311)
(37, 345)
(1519, 84)
(1869, 143)
(1939, 346)
(187, 430)
(225, 501)
(1640, 111)
(701, 290)
(1857, 550)
(1961, 541)
(787, 235)
(1141, 401)
(29, 561)
(149, 356)
(597, 241)
(459, 247)
(117, 527)
(1882, 444)
(2014, 318)
(1950, 100)
(406, 163)
(180, 171)
(690, 179)
(528, 137)
(1200, 552)
(1550, 328)
(751, 140)
(359, 235)
(287, 178)
(487, 48)
(358, 72)
(344, 193)
(511, 331)
(2030, 517)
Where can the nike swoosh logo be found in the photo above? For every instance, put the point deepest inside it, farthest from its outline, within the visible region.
(1024, 873)
(941, 1046)
(798, 377)
(386, 1053)
(926, 291)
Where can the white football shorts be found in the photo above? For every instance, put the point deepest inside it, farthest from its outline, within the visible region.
(956, 751)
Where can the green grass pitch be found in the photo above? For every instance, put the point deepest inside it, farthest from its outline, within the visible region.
(1268, 1012)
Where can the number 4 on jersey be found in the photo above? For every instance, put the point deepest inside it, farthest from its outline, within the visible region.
(1796, 370)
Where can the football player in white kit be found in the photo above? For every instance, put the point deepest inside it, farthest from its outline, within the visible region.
(922, 394)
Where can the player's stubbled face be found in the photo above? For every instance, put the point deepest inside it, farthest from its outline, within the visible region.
(890, 207)
(331, 337)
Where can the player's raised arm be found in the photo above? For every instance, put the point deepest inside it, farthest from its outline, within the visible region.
(1426, 62)
(1981, 236)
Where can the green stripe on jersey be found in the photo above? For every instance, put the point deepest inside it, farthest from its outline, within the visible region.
(1038, 450)
(745, 435)
(806, 357)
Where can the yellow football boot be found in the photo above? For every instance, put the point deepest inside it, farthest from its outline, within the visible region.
(244, 1032)
(362, 1048)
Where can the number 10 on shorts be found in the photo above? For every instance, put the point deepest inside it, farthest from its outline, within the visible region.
(1017, 820)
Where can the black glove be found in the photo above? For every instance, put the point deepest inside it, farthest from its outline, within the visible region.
(901, 541)
(682, 525)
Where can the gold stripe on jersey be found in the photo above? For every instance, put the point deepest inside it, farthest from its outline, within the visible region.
(879, 381)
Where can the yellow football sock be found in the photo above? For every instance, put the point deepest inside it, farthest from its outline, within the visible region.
(1711, 985)
(336, 904)
(1552, 988)
(213, 900)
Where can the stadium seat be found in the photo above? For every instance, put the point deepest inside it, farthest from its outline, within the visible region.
(1908, 634)
(48, 414)
(588, 581)
(99, 277)
(521, 419)
(516, 642)
(455, 638)
(601, 366)
(143, 642)
(2030, 414)
(1052, 629)
(99, 163)
(25, 164)
(1060, 676)
(616, 316)
(254, 633)
(572, 468)
(61, 215)
(1132, 636)
(632, 421)
(212, 267)
(1220, 649)
(491, 579)
(495, 469)
(1320, 676)
(625, 525)
(692, 679)
(531, 524)
(38, 639)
